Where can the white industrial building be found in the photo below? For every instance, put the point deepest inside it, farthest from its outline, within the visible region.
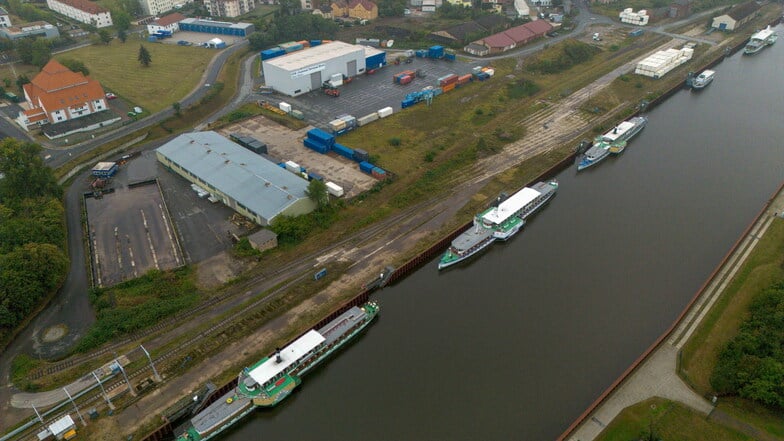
(244, 181)
(302, 71)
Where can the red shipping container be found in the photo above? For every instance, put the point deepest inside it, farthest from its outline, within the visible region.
(406, 79)
(448, 87)
(451, 79)
(464, 79)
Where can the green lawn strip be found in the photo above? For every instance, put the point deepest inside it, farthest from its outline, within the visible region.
(175, 70)
(668, 420)
(762, 268)
(754, 414)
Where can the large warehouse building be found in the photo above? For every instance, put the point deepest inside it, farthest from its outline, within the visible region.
(246, 182)
(302, 71)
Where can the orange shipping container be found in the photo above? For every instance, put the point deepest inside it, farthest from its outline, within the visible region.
(304, 43)
(447, 87)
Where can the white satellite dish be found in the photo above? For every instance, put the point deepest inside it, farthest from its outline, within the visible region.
(390, 43)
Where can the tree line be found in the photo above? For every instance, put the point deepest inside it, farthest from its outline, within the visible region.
(751, 365)
(33, 261)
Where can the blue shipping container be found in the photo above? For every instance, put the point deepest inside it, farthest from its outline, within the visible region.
(322, 137)
(435, 52)
(378, 171)
(315, 177)
(342, 150)
(421, 53)
(315, 43)
(450, 57)
(366, 167)
(314, 145)
(272, 53)
(407, 103)
(282, 164)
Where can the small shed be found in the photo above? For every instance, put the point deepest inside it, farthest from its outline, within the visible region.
(64, 428)
(263, 239)
(105, 169)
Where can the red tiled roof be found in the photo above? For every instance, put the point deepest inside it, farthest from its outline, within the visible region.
(85, 5)
(498, 40)
(166, 20)
(519, 34)
(366, 4)
(56, 88)
(539, 27)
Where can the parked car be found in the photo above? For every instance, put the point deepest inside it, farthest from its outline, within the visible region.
(110, 96)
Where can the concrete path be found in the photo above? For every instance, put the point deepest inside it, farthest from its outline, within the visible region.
(657, 375)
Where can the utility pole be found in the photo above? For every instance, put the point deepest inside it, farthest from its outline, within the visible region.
(105, 395)
(126, 377)
(75, 407)
(38, 414)
(154, 371)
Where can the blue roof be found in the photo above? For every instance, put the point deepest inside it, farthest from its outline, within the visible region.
(251, 180)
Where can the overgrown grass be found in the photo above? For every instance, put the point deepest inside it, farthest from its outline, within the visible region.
(668, 420)
(174, 71)
(138, 303)
(21, 366)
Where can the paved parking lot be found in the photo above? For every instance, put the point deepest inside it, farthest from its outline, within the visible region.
(368, 93)
(284, 144)
(198, 38)
(130, 234)
(203, 227)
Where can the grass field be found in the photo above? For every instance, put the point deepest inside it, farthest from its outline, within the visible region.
(668, 420)
(174, 71)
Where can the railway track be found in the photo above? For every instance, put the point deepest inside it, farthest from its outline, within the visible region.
(244, 287)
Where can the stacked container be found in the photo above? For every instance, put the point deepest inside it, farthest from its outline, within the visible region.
(661, 62)
(447, 80)
(319, 140)
(489, 71)
(378, 173)
(404, 77)
(636, 18)
(464, 79)
(435, 52)
(272, 53)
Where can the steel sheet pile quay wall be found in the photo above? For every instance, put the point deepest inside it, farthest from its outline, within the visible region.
(658, 64)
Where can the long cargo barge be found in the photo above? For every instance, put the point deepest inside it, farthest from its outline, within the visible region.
(271, 379)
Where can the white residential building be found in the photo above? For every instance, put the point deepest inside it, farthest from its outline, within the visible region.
(83, 11)
(169, 23)
(5, 20)
(229, 8)
(156, 7)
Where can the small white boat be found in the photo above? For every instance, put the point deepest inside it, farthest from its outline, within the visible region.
(703, 79)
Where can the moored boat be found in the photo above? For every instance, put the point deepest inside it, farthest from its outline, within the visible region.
(272, 379)
(759, 40)
(614, 141)
(703, 79)
(499, 222)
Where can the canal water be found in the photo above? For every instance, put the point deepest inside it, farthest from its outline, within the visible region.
(517, 343)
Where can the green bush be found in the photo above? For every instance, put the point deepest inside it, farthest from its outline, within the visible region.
(394, 142)
(521, 89)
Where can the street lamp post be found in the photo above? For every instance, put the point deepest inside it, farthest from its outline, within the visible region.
(154, 371)
(75, 407)
(105, 395)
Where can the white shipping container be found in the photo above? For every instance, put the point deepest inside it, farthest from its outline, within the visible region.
(292, 167)
(336, 77)
(385, 112)
(336, 83)
(286, 107)
(367, 119)
(334, 189)
(337, 124)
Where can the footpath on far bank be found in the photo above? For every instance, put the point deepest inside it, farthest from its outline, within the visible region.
(654, 373)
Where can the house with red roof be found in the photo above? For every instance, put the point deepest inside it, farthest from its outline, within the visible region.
(83, 11)
(359, 9)
(57, 95)
(510, 38)
(169, 22)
